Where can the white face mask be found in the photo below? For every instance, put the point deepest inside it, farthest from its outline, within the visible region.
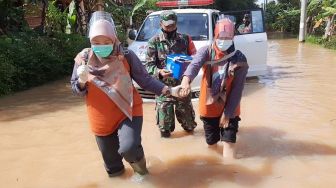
(223, 45)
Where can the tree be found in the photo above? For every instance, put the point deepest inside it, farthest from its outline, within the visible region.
(128, 16)
(322, 13)
(283, 16)
(271, 15)
(329, 8)
(231, 5)
(314, 8)
(11, 16)
(293, 3)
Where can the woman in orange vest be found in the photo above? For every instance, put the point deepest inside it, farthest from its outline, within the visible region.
(225, 70)
(103, 74)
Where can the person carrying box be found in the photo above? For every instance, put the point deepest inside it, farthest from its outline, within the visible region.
(168, 42)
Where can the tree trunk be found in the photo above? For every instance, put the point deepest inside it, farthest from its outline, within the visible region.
(332, 26)
(327, 28)
(81, 17)
(100, 5)
(309, 23)
(44, 12)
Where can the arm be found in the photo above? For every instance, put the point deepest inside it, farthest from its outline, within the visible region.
(196, 63)
(77, 88)
(141, 76)
(234, 97)
(192, 70)
(151, 59)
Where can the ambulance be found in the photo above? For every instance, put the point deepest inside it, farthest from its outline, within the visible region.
(199, 24)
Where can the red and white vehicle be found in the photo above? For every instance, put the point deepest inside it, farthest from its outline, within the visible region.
(200, 24)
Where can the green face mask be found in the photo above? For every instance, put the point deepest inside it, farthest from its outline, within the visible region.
(102, 50)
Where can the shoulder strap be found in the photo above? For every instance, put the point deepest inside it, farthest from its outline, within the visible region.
(208, 71)
(126, 53)
(157, 61)
(212, 62)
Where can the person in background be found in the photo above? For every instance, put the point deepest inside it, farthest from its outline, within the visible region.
(245, 27)
(169, 41)
(225, 70)
(103, 75)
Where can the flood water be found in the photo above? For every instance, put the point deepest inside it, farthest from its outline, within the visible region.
(287, 136)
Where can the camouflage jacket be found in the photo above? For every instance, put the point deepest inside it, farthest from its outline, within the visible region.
(158, 49)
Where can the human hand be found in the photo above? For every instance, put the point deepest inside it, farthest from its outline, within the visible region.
(232, 68)
(185, 85)
(165, 73)
(224, 121)
(175, 91)
(83, 73)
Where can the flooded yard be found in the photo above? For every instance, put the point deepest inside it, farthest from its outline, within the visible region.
(287, 136)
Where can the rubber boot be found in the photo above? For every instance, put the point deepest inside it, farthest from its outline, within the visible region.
(140, 166)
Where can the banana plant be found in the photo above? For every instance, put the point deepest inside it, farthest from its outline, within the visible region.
(122, 15)
(71, 18)
(329, 12)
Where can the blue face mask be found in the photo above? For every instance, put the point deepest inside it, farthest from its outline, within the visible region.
(223, 45)
(102, 50)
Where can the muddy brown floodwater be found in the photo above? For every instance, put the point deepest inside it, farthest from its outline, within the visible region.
(287, 136)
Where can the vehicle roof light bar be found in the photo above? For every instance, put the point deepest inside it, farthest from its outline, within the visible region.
(182, 3)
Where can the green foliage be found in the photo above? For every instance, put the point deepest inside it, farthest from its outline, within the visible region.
(138, 5)
(292, 3)
(121, 15)
(28, 59)
(231, 5)
(314, 8)
(140, 14)
(56, 20)
(329, 7)
(71, 18)
(271, 15)
(11, 17)
(288, 21)
(331, 43)
(283, 16)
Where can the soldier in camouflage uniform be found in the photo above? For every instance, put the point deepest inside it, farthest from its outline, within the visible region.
(168, 41)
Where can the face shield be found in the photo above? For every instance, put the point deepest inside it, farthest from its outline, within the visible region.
(224, 34)
(101, 23)
(224, 29)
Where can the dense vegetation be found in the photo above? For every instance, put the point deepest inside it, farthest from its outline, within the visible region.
(284, 16)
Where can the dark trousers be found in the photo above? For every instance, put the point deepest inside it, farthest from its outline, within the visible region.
(213, 133)
(123, 143)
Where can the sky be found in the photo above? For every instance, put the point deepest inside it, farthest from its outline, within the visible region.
(261, 1)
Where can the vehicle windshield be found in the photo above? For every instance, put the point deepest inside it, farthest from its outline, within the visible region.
(194, 24)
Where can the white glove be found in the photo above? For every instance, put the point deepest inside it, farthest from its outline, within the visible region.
(83, 73)
(175, 91)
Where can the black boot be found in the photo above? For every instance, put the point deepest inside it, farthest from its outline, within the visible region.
(165, 133)
(140, 166)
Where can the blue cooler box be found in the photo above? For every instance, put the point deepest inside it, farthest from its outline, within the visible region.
(177, 64)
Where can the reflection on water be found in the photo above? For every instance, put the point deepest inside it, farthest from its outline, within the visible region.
(286, 137)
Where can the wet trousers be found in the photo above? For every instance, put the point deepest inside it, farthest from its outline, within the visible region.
(123, 143)
(214, 133)
(165, 113)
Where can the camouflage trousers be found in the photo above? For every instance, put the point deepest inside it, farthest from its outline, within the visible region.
(165, 113)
